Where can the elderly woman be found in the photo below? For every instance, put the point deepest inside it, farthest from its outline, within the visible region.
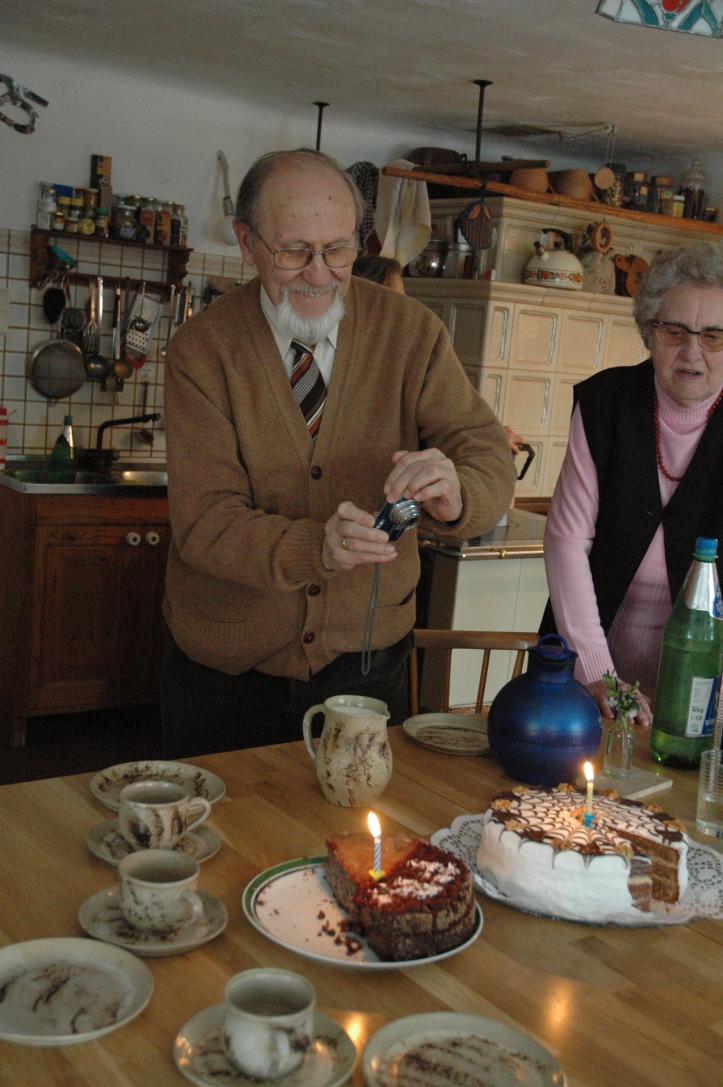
(642, 477)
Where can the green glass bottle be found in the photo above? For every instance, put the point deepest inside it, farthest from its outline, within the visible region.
(61, 464)
(691, 662)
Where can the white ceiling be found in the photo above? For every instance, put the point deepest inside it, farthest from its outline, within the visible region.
(408, 63)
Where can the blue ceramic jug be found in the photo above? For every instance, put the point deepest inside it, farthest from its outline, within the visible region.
(543, 725)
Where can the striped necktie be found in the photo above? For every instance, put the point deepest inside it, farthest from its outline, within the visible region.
(308, 386)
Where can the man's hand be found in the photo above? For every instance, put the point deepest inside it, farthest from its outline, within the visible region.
(643, 717)
(350, 539)
(430, 478)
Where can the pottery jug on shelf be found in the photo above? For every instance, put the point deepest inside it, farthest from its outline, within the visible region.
(353, 758)
(543, 725)
(556, 267)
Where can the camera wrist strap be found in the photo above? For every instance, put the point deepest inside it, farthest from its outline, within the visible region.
(366, 661)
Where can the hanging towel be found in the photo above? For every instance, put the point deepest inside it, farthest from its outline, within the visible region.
(402, 220)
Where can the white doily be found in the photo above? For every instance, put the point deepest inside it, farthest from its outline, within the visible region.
(703, 896)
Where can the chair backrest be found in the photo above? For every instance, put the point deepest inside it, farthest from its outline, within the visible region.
(449, 640)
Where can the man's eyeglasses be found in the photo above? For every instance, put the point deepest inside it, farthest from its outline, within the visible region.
(293, 260)
(674, 335)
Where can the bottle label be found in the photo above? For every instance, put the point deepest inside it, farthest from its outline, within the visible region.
(702, 706)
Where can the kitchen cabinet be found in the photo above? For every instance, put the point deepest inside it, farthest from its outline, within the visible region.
(80, 619)
(523, 346)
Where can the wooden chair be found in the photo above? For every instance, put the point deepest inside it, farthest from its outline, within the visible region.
(448, 640)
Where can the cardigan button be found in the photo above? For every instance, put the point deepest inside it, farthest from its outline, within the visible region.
(308, 637)
(316, 472)
(314, 590)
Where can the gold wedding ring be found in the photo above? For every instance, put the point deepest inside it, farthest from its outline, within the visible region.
(343, 542)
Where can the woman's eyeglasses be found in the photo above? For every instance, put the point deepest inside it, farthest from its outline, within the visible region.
(675, 335)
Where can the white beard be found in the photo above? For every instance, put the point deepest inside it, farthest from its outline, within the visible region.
(310, 330)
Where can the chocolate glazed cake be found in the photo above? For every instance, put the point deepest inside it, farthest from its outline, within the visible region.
(422, 905)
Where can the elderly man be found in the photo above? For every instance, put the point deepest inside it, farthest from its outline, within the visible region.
(296, 405)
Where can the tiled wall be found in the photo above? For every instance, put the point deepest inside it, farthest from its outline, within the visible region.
(34, 422)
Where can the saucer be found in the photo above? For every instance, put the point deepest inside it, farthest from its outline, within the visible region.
(100, 916)
(199, 1056)
(109, 845)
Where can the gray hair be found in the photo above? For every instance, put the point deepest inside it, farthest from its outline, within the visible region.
(700, 264)
(249, 194)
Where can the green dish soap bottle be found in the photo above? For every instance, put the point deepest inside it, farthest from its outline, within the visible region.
(691, 662)
(61, 465)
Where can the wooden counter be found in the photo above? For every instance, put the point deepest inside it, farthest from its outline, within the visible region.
(618, 1007)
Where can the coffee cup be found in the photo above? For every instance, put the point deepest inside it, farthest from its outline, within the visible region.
(268, 1021)
(158, 890)
(157, 814)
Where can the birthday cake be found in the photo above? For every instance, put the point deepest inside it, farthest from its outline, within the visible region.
(422, 905)
(536, 848)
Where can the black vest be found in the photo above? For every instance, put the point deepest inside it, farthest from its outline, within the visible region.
(617, 408)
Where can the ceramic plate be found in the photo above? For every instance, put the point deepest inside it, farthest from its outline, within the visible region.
(198, 1053)
(107, 784)
(443, 1048)
(67, 990)
(101, 916)
(109, 845)
(449, 733)
(292, 904)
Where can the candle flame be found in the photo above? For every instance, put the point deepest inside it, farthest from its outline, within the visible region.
(374, 827)
(588, 771)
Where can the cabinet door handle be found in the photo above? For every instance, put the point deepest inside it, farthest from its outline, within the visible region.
(133, 539)
(153, 539)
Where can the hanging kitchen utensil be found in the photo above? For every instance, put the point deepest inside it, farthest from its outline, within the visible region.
(524, 447)
(57, 369)
(475, 225)
(628, 273)
(90, 332)
(96, 364)
(171, 319)
(141, 326)
(55, 299)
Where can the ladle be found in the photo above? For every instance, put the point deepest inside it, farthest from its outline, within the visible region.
(97, 365)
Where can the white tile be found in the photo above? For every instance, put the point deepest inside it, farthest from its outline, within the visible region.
(89, 251)
(18, 315)
(232, 267)
(213, 265)
(87, 267)
(18, 267)
(131, 258)
(153, 259)
(14, 389)
(35, 437)
(19, 241)
(3, 265)
(111, 255)
(195, 262)
(19, 290)
(17, 339)
(16, 363)
(4, 238)
(37, 410)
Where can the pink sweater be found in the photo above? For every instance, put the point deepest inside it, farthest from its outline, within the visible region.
(632, 647)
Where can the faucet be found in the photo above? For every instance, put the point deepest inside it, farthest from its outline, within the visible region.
(149, 418)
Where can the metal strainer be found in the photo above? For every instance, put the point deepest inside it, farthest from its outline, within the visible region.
(57, 369)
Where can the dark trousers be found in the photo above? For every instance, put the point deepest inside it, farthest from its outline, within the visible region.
(204, 711)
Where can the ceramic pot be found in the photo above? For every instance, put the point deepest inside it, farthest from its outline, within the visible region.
(533, 179)
(576, 184)
(543, 725)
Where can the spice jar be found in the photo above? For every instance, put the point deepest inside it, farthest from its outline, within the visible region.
(90, 202)
(660, 195)
(72, 218)
(678, 206)
(58, 221)
(101, 223)
(123, 225)
(87, 225)
(635, 190)
(146, 220)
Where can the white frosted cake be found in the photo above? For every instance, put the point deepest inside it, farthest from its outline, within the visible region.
(536, 848)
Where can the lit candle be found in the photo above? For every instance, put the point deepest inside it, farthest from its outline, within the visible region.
(590, 778)
(376, 831)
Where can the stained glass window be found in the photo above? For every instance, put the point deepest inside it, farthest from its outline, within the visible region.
(687, 16)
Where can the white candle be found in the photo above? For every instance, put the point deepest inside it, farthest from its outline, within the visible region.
(590, 778)
(376, 831)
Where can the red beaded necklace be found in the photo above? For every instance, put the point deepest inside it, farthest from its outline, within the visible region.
(658, 445)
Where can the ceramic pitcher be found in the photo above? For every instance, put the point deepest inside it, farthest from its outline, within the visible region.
(353, 757)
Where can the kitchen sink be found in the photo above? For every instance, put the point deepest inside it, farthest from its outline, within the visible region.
(31, 476)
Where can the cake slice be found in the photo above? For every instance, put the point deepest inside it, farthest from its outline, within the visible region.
(423, 904)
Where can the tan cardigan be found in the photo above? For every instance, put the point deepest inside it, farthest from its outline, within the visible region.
(249, 493)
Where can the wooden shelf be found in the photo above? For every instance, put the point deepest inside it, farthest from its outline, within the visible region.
(593, 208)
(42, 262)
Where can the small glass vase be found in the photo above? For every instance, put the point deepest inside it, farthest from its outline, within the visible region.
(619, 745)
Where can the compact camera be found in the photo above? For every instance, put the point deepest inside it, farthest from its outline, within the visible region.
(395, 518)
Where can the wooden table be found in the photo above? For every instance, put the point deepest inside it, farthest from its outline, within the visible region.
(618, 1007)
